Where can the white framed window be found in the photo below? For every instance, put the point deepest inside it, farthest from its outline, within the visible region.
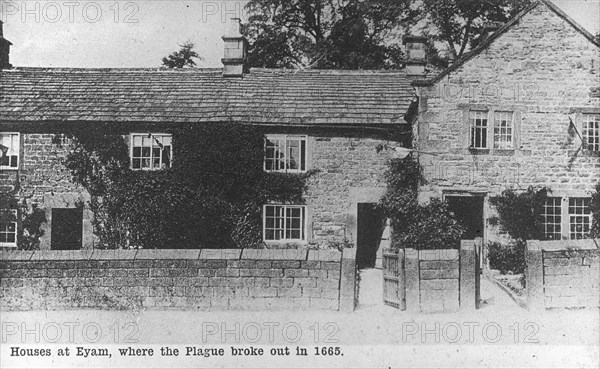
(284, 223)
(285, 153)
(9, 153)
(552, 218)
(503, 130)
(479, 129)
(580, 217)
(8, 228)
(151, 151)
(590, 132)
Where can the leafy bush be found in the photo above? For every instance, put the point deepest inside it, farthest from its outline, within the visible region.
(414, 225)
(519, 214)
(432, 227)
(507, 257)
(595, 209)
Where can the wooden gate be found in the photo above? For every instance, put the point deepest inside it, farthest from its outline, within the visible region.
(393, 279)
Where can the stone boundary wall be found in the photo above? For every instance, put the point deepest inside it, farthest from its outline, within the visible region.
(563, 274)
(442, 280)
(228, 279)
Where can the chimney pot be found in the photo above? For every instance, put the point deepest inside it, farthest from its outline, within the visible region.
(235, 53)
(416, 55)
(4, 50)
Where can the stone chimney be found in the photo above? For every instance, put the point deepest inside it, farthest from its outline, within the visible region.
(236, 46)
(4, 50)
(416, 55)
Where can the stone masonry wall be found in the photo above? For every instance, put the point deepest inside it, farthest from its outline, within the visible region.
(350, 170)
(43, 180)
(249, 279)
(563, 274)
(544, 71)
(443, 280)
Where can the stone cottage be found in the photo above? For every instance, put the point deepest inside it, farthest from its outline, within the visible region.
(520, 110)
(333, 121)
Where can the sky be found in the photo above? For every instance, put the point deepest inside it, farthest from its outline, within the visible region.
(113, 33)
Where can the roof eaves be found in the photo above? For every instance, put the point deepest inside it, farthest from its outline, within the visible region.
(478, 49)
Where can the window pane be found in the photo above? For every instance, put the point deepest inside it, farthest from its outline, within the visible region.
(137, 152)
(146, 152)
(166, 156)
(137, 163)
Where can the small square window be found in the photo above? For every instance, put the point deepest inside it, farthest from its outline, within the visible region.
(151, 151)
(590, 132)
(284, 153)
(479, 129)
(8, 227)
(9, 151)
(284, 223)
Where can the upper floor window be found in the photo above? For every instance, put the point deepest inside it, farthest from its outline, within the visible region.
(479, 129)
(150, 151)
(591, 132)
(284, 222)
(580, 217)
(285, 153)
(9, 151)
(552, 218)
(503, 130)
(8, 227)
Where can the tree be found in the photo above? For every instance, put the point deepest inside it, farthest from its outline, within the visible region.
(182, 58)
(460, 24)
(352, 34)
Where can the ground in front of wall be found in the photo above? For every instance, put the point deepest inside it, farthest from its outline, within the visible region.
(499, 334)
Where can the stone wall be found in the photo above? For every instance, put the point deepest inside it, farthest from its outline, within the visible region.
(544, 71)
(444, 280)
(349, 170)
(563, 274)
(252, 279)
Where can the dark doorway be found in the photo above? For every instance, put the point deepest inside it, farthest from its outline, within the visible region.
(468, 210)
(67, 229)
(370, 226)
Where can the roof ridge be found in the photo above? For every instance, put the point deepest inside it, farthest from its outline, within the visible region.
(125, 69)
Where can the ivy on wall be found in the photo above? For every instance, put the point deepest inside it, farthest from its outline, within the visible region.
(211, 197)
(595, 209)
(519, 214)
(28, 217)
(414, 225)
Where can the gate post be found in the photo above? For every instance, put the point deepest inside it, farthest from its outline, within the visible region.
(468, 275)
(411, 278)
(534, 276)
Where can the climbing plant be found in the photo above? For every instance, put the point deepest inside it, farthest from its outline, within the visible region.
(414, 225)
(519, 214)
(211, 196)
(595, 209)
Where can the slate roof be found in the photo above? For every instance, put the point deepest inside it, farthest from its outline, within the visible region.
(264, 96)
